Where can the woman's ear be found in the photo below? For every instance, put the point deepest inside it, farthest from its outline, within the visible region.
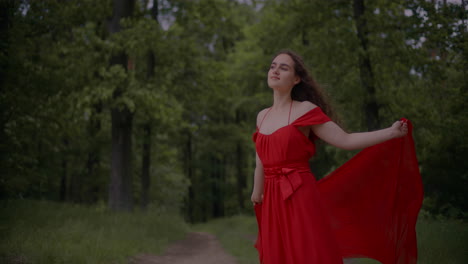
(297, 80)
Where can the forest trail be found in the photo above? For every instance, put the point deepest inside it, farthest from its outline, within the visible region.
(196, 248)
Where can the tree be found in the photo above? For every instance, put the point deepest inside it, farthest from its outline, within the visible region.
(120, 189)
(365, 67)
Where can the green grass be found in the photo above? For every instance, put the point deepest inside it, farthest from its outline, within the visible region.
(442, 241)
(439, 241)
(47, 232)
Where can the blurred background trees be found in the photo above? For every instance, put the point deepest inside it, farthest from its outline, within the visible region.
(155, 106)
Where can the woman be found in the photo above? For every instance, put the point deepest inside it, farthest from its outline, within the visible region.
(345, 215)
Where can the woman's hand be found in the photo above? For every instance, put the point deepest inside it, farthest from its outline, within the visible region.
(256, 198)
(257, 192)
(399, 129)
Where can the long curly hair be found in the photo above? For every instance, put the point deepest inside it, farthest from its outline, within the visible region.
(308, 89)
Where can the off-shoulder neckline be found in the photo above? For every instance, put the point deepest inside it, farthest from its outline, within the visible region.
(292, 123)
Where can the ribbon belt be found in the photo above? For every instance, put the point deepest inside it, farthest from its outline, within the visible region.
(289, 177)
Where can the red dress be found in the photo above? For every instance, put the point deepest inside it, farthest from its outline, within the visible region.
(366, 208)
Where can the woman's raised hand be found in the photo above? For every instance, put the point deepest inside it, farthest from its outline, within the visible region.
(400, 128)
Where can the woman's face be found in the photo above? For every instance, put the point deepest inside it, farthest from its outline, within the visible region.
(281, 74)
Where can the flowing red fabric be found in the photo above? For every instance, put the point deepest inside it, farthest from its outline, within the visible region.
(366, 208)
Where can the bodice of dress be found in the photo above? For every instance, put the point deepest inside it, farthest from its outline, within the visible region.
(285, 146)
(288, 145)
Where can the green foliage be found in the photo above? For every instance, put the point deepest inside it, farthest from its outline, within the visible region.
(40, 97)
(67, 91)
(196, 77)
(46, 232)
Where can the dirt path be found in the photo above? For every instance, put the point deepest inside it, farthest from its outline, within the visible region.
(196, 248)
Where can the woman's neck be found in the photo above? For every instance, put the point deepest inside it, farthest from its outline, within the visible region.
(281, 100)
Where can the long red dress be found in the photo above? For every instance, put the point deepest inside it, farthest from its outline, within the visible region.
(366, 208)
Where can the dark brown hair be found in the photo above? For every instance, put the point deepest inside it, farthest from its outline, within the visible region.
(307, 89)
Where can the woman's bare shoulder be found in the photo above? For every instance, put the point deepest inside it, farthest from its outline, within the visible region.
(306, 105)
(261, 115)
(302, 108)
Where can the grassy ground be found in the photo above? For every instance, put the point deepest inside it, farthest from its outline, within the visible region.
(439, 241)
(46, 232)
(442, 241)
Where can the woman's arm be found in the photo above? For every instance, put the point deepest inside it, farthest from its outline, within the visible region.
(331, 133)
(257, 193)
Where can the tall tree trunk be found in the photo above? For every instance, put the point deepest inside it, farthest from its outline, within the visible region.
(146, 165)
(188, 162)
(7, 9)
(92, 163)
(64, 176)
(74, 188)
(371, 107)
(75, 184)
(464, 7)
(120, 189)
(241, 177)
(120, 193)
(146, 155)
(465, 51)
(217, 186)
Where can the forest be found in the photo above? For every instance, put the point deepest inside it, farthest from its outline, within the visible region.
(151, 104)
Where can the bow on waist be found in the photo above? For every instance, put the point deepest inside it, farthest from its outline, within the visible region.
(289, 178)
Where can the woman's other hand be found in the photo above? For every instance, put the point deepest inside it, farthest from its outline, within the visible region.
(256, 198)
(399, 128)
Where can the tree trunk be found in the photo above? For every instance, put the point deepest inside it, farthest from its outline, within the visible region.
(74, 185)
(7, 9)
(241, 177)
(464, 7)
(371, 106)
(217, 179)
(188, 162)
(465, 51)
(63, 181)
(64, 176)
(120, 189)
(92, 163)
(120, 193)
(146, 155)
(146, 165)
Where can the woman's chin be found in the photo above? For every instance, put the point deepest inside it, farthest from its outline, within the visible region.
(274, 86)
